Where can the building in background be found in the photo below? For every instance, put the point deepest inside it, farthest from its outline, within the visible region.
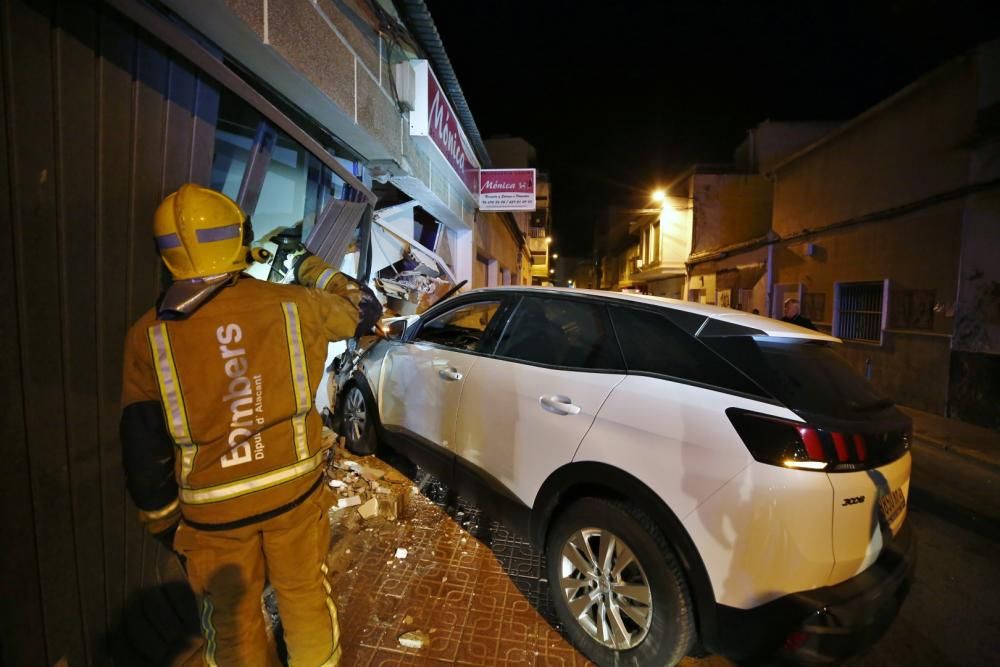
(616, 250)
(888, 231)
(502, 254)
(886, 228)
(730, 209)
(536, 226)
(580, 273)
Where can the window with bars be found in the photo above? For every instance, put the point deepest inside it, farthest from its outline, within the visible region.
(860, 311)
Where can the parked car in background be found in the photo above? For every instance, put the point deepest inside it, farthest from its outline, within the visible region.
(696, 476)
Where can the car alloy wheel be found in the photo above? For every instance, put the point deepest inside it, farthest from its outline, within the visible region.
(355, 414)
(606, 588)
(617, 586)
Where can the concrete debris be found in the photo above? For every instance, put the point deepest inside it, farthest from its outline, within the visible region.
(369, 509)
(401, 553)
(414, 639)
(348, 502)
(372, 474)
(337, 484)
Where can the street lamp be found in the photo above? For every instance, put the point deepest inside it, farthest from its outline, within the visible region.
(555, 255)
(552, 272)
(548, 239)
(659, 196)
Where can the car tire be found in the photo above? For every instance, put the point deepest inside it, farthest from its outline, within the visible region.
(602, 602)
(357, 421)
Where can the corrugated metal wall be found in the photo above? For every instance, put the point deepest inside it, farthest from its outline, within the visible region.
(97, 124)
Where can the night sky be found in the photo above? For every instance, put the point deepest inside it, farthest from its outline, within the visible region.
(619, 96)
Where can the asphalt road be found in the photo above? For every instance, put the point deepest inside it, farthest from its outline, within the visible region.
(951, 616)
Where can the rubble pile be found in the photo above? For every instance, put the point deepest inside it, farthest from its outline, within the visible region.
(365, 485)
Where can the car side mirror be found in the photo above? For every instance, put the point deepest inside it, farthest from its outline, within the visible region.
(396, 330)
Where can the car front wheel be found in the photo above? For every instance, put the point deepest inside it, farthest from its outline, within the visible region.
(617, 585)
(356, 422)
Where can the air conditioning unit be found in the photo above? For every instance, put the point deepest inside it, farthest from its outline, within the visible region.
(406, 85)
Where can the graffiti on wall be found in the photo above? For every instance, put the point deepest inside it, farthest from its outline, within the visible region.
(977, 321)
(912, 309)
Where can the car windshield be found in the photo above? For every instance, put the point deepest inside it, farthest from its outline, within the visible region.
(806, 376)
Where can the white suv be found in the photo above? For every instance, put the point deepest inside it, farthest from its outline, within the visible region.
(695, 475)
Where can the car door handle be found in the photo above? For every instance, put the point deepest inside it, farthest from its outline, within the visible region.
(450, 374)
(560, 405)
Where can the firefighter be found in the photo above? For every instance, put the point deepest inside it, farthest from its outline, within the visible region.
(220, 438)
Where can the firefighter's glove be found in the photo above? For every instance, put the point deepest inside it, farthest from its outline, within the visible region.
(297, 262)
(369, 307)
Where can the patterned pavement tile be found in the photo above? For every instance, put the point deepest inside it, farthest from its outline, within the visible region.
(479, 601)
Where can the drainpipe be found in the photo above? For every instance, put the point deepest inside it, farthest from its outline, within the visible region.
(770, 280)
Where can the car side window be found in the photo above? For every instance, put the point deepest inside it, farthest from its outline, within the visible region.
(462, 328)
(561, 332)
(652, 343)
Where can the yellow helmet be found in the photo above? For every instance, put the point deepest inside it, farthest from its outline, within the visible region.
(200, 232)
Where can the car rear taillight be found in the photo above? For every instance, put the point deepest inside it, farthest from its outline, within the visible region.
(791, 444)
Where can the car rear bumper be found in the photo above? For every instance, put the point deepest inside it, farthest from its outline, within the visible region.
(829, 624)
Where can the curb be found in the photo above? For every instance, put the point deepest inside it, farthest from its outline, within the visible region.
(966, 452)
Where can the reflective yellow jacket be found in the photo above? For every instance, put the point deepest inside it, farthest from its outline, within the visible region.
(230, 391)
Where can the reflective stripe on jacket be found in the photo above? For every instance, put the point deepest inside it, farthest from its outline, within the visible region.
(236, 381)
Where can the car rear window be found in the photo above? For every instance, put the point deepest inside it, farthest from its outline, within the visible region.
(653, 344)
(808, 376)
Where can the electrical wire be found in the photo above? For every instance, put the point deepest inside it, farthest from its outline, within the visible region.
(393, 34)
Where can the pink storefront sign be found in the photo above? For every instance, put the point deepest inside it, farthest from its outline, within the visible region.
(507, 190)
(434, 118)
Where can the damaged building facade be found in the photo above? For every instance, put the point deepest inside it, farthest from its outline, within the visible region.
(313, 116)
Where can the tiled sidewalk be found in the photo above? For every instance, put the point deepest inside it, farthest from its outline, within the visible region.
(477, 590)
(477, 601)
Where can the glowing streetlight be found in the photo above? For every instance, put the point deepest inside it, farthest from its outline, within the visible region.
(552, 272)
(659, 196)
(555, 255)
(548, 239)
